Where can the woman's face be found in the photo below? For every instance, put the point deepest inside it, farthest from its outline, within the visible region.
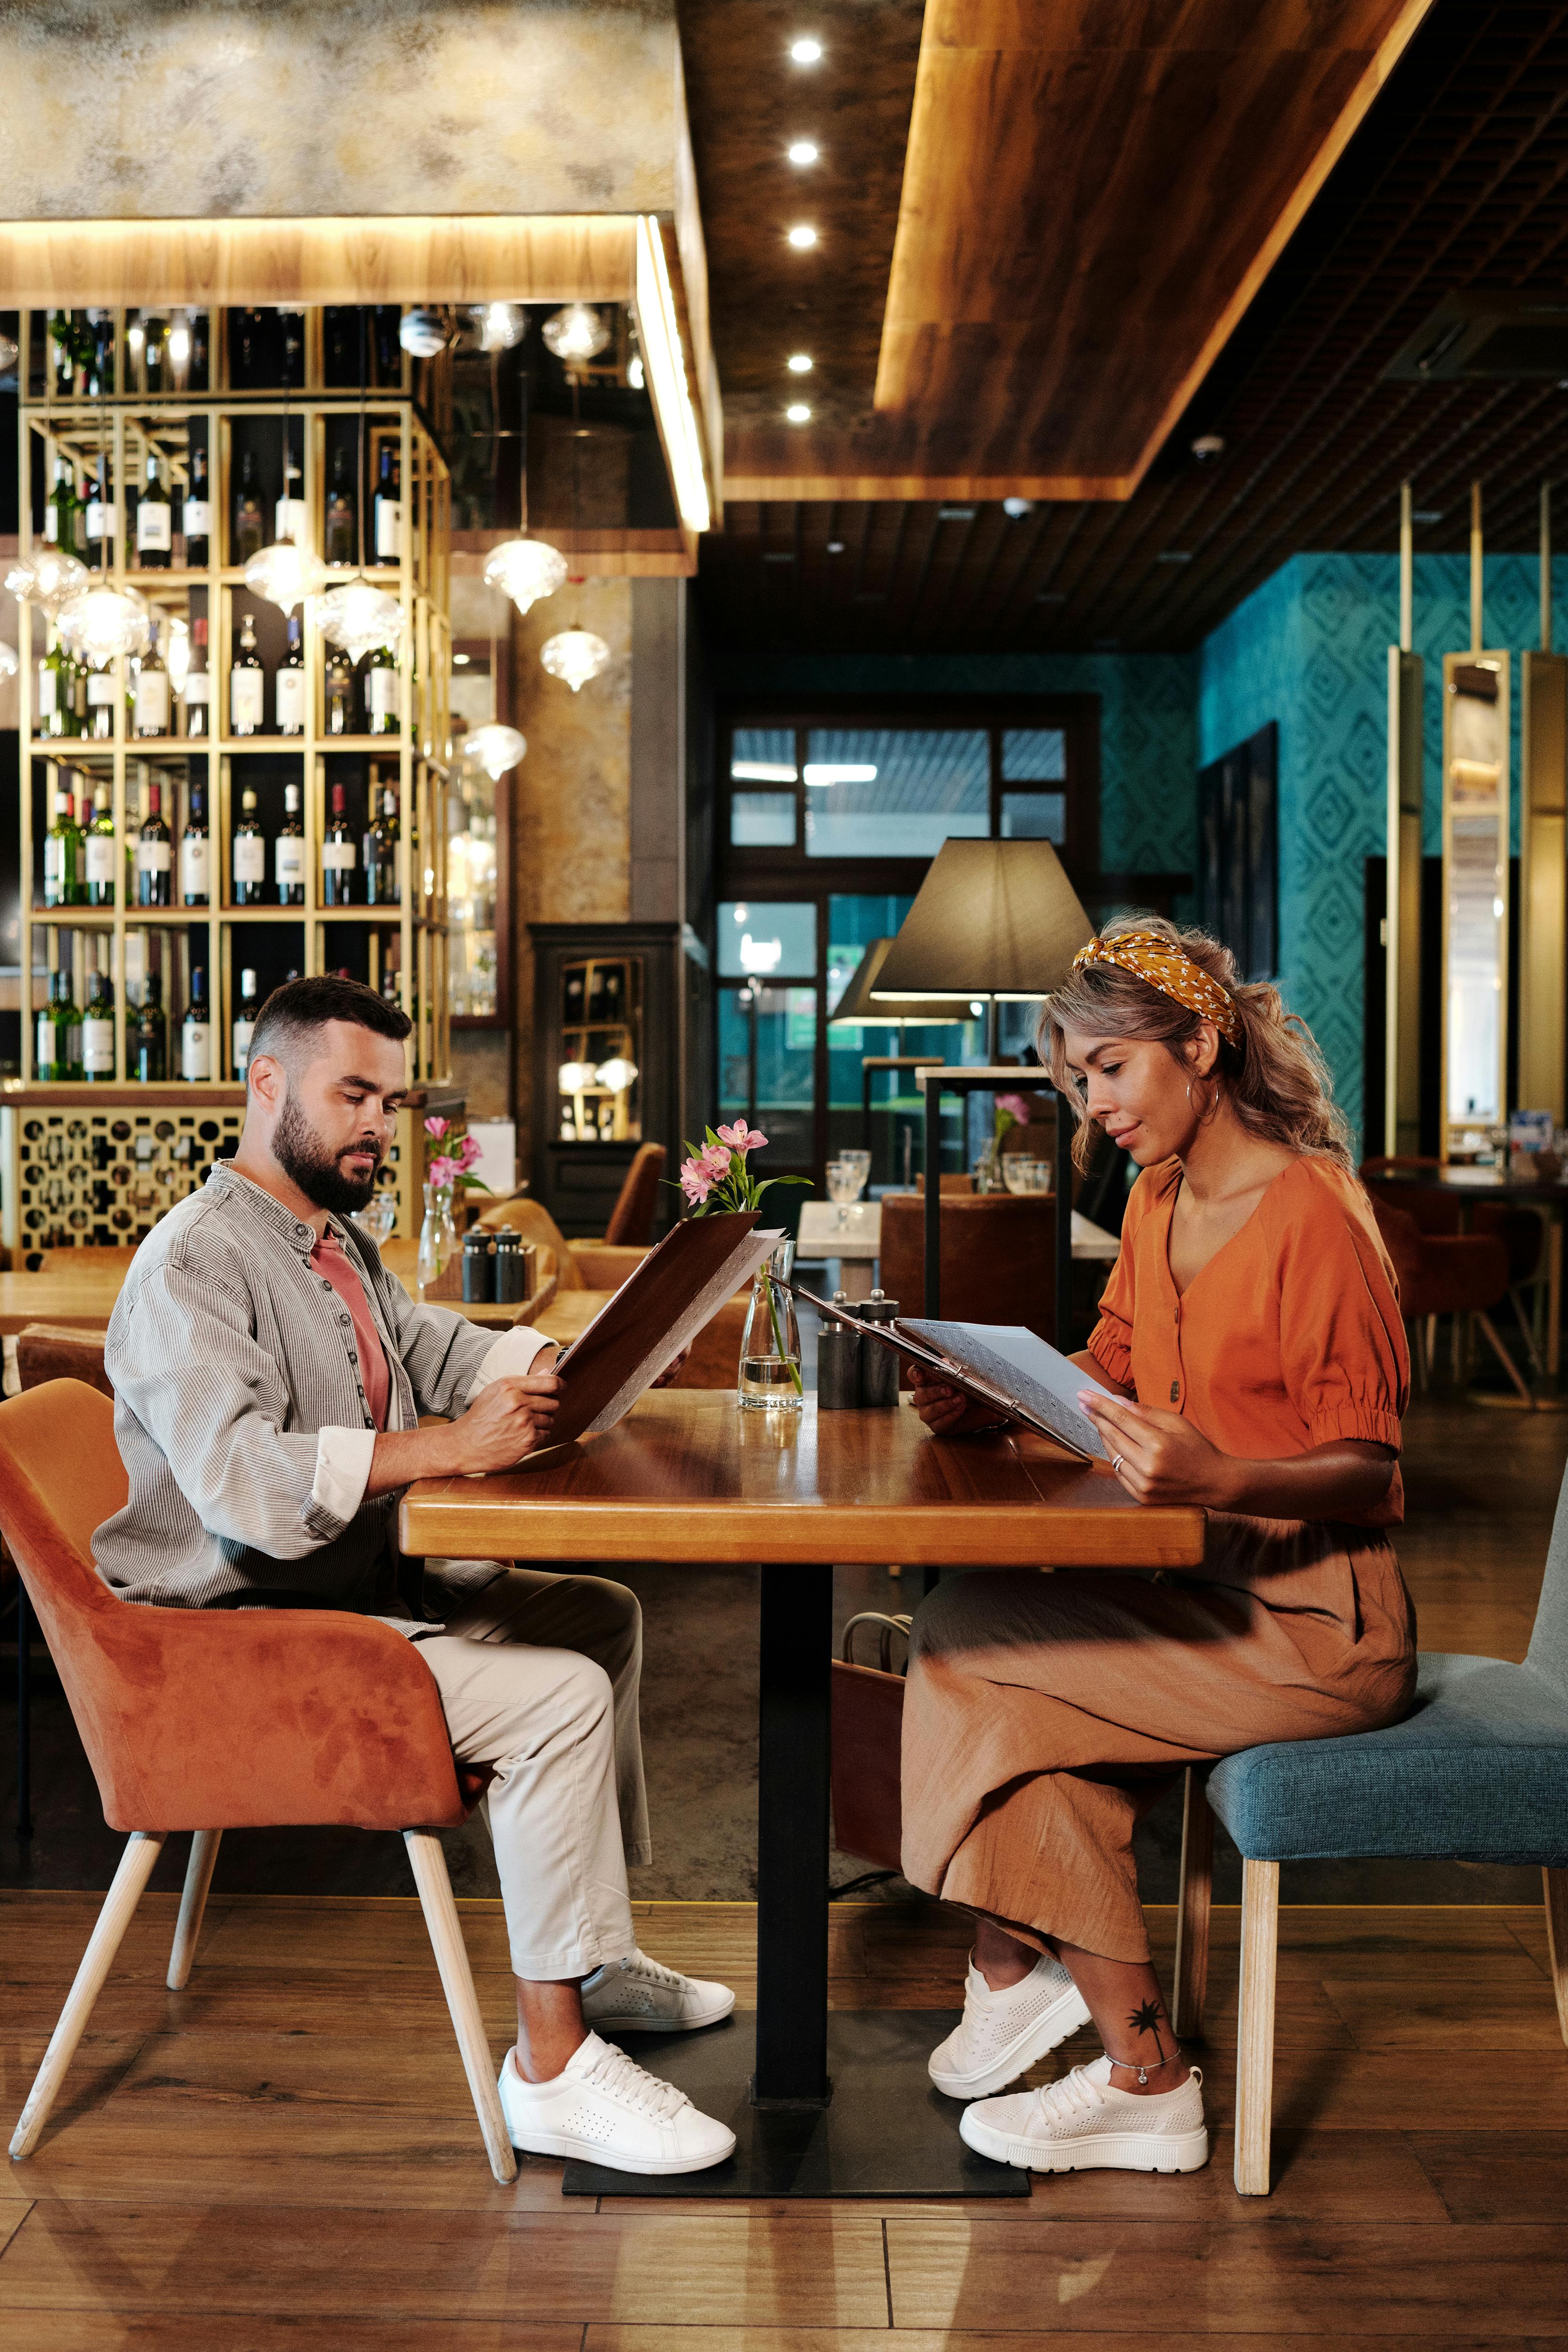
(1137, 1089)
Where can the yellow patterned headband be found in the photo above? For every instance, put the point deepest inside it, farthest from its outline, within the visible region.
(1163, 966)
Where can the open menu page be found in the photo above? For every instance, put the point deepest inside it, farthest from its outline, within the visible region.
(1018, 1366)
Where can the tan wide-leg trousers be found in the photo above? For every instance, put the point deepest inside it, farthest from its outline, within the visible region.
(538, 1675)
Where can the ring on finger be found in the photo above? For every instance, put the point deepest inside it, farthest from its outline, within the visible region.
(1117, 1462)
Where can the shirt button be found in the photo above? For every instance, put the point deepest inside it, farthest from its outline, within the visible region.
(1176, 1391)
(342, 1318)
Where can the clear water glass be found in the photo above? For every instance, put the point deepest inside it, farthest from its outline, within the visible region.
(1024, 1174)
(845, 1184)
(769, 1346)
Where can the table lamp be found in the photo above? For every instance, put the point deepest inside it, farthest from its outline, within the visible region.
(996, 919)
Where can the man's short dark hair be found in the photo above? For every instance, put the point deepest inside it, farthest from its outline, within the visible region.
(290, 1016)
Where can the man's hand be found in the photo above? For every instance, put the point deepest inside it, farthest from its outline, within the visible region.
(509, 1417)
(948, 1412)
(672, 1372)
(1158, 1456)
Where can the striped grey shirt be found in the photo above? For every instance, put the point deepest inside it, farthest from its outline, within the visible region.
(240, 1413)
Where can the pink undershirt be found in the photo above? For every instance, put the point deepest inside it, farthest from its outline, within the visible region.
(327, 1259)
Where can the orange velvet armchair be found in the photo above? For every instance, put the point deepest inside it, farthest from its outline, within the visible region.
(213, 1719)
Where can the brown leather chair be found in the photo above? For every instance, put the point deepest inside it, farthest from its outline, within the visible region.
(577, 1266)
(1462, 1275)
(49, 1351)
(998, 1257)
(631, 1219)
(1521, 1230)
(212, 1719)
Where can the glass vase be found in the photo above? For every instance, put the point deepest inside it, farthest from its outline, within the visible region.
(437, 1234)
(769, 1347)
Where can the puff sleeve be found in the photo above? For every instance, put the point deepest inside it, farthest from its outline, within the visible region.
(1344, 1357)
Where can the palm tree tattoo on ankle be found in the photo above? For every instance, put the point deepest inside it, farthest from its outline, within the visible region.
(1146, 2020)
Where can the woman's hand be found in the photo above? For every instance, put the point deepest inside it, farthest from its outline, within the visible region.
(948, 1412)
(1158, 1456)
(672, 1372)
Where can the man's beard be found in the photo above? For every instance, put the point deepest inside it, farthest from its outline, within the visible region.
(300, 1153)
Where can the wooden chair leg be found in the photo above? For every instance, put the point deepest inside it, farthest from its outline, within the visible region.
(119, 1909)
(429, 1865)
(1554, 1886)
(193, 1903)
(1192, 1909)
(1494, 1339)
(1255, 2025)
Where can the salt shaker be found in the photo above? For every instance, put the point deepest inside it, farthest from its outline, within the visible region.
(839, 1353)
(878, 1364)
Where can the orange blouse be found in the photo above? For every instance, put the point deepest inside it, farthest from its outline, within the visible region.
(1288, 1338)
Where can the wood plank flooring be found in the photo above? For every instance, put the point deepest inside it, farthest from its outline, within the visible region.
(284, 2156)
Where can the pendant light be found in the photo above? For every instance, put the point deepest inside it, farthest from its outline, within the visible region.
(45, 577)
(500, 325)
(574, 654)
(525, 568)
(96, 622)
(576, 334)
(9, 664)
(285, 573)
(360, 617)
(496, 747)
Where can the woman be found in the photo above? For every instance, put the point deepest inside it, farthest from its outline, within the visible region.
(1251, 1340)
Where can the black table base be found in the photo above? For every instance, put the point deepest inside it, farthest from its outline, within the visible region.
(884, 2133)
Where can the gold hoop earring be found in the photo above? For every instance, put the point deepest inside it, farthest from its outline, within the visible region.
(1203, 1117)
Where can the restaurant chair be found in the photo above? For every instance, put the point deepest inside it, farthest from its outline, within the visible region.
(577, 1266)
(632, 1218)
(998, 1257)
(211, 1720)
(1461, 1275)
(1477, 1772)
(1524, 1233)
(51, 1351)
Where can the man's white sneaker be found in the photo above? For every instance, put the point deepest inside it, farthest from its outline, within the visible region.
(1084, 2123)
(603, 2109)
(637, 1995)
(1002, 2034)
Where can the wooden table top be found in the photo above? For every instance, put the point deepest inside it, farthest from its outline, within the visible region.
(81, 1300)
(690, 1474)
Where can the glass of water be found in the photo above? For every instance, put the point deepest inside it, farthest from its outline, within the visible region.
(845, 1184)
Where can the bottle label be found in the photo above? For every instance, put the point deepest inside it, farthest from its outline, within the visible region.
(195, 865)
(103, 517)
(290, 519)
(198, 685)
(249, 857)
(153, 857)
(100, 689)
(100, 860)
(385, 696)
(289, 860)
(52, 525)
(290, 687)
(198, 518)
(97, 1047)
(47, 685)
(242, 1036)
(46, 1055)
(54, 860)
(245, 699)
(154, 527)
(153, 702)
(339, 856)
(196, 1050)
(389, 529)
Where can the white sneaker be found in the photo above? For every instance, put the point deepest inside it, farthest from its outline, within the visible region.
(637, 1995)
(1083, 2123)
(1002, 2034)
(603, 2109)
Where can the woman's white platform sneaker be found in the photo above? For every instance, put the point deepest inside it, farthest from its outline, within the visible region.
(637, 1995)
(603, 2108)
(1001, 2034)
(1084, 2123)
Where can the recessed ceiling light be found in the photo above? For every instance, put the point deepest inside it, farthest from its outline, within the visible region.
(803, 151)
(799, 363)
(805, 53)
(835, 547)
(1016, 509)
(801, 235)
(798, 413)
(461, 661)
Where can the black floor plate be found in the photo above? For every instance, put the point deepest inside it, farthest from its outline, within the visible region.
(885, 2132)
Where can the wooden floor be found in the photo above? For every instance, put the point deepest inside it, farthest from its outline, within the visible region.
(284, 2157)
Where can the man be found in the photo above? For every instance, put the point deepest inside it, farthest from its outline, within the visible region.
(268, 1378)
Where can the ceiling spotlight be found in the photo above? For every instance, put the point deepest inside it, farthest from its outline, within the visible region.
(803, 151)
(835, 547)
(801, 236)
(1016, 509)
(577, 333)
(805, 53)
(1207, 446)
(422, 333)
(798, 413)
(799, 363)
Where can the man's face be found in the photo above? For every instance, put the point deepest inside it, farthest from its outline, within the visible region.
(338, 1115)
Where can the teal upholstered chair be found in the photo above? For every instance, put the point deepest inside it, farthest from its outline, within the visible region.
(1478, 1772)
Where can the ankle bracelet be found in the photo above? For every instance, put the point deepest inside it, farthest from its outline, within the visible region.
(1136, 2066)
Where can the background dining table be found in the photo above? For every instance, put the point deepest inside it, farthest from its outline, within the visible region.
(821, 2107)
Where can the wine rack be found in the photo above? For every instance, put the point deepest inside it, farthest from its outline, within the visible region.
(406, 935)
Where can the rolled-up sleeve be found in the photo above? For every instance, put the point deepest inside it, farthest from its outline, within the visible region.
(1343, 1356)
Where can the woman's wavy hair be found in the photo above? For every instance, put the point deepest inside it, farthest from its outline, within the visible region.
(1277, 1080)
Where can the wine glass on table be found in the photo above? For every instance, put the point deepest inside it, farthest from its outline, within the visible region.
(845, 1182)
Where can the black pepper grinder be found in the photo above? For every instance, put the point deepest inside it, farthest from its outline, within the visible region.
(511, 1277)
(839, 1353)
(478, 1268)
(878, 1364)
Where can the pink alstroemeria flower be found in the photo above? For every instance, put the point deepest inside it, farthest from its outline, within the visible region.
(444, 1171)
(1016, 1107)
(741, 1137)
(715, 1159)
(436, 1127)
(696, 1182)
(469, 1150)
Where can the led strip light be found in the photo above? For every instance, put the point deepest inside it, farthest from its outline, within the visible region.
(660, 329)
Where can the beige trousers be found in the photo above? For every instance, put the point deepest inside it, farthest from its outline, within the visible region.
(538, 1674)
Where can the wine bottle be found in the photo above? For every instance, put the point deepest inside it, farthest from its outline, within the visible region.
(200, 350)
(288, 684)
(196, 516)
(100, 368)
(155, 858)
(56, 712)
(245, 1023)
(99, 849)
(340, 683)
(388, 513)
(156, 348)
(247, 683)
(103, 520)
(381, 855)
(339, 855)
(340, 537)
(248, 528)
(58, 1049)
(155, 521)
(288, 852)
(250, 853)
(147, 1036)
(382, 692)
(65, 880)
(198, 681)
(62, 353)
(61, 511)
(289, 515)
(98, 1029)
(196, 852)
(102, 694)
(196, 1032)
(152, 695)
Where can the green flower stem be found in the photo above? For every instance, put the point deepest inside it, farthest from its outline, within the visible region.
(778, 1338)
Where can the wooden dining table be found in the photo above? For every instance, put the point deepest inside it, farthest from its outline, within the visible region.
(691, 1475)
